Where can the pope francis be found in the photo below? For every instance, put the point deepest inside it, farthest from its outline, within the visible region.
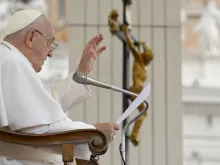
(29, 106)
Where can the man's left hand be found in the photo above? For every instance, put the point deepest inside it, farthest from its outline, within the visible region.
(90, 54)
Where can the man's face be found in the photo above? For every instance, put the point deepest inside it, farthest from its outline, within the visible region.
(42, 45)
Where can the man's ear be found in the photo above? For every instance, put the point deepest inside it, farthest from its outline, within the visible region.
(28, 40)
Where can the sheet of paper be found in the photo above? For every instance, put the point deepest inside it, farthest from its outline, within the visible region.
(141, 97)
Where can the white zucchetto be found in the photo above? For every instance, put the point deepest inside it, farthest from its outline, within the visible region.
(20, 20)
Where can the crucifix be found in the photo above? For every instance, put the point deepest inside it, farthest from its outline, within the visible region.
(142, 57)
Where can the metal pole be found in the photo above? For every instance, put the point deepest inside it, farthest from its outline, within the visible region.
(125, 80)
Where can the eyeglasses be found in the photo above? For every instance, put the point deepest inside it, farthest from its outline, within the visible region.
(51, 44)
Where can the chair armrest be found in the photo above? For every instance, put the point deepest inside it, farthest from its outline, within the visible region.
(97, 141)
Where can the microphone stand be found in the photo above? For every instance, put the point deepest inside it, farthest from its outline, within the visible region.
(122, 149)
(83, 79)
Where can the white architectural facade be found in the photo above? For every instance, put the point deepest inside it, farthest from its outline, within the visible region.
(201, 119)
(201, 95)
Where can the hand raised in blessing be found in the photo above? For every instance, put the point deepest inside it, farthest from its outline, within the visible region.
(90, 54)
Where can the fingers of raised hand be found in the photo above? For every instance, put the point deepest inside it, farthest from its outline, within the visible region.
(100, 50)
(91, 47)
(99, 39)
(95, 41)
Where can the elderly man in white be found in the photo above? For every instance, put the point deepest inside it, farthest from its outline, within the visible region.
(27, 105)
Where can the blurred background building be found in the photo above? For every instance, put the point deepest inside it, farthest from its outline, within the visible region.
(201, 81)
(183, 32)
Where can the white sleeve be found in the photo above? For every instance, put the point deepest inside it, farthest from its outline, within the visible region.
(71, 93)
(80, 151)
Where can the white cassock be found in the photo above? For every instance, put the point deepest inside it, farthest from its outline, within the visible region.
(28, 106)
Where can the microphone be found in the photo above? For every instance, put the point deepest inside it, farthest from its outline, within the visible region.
(81, 78)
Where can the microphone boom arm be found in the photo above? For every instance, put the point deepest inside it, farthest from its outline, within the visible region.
(83, 79)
